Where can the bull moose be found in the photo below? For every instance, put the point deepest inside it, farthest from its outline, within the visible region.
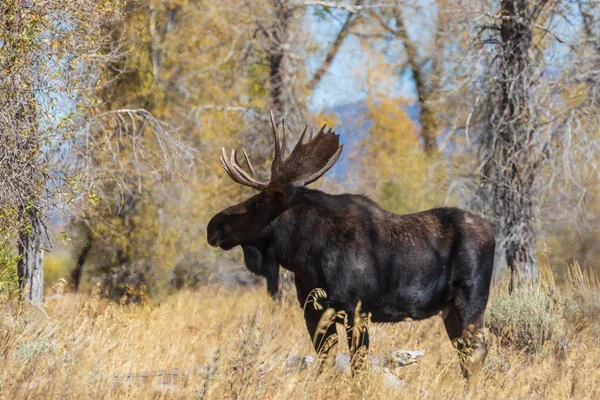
(413, 266)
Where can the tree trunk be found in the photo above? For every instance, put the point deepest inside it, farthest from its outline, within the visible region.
(429, 126)
(281, 76)
(509, 169)
(84, 249)
(278, 76)
(425, 88)
(31, 264)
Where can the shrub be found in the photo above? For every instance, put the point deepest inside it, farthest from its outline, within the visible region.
(527, 319)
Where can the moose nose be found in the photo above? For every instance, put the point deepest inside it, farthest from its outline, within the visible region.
(213, 231)
(213, 238)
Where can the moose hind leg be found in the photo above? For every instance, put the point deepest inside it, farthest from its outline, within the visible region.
(468, 342)
(471, 345)
(470, 302)
(472, 350)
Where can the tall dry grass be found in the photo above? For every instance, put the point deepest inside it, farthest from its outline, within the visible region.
(544, 343)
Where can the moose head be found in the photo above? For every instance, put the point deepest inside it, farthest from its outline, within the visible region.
(244, 223)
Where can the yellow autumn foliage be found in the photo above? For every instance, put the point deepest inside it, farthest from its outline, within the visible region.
(395, 169)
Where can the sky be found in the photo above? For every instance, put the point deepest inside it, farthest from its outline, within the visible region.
(345, 81)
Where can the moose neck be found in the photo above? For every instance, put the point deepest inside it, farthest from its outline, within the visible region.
(301, 233)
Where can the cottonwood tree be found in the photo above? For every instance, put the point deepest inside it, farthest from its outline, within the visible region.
(129, 153)
(23, 173)
(43, 64)
(423, 53)
(533, 121)
(174, 73)
(394, 163)
(279, 38)
(509, 164)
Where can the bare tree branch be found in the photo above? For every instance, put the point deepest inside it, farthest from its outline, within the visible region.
(352, 9)
(337, 43)
(424, 90)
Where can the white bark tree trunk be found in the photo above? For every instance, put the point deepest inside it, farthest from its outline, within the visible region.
(31, 263)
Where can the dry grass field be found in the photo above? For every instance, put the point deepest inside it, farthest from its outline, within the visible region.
(544, 344)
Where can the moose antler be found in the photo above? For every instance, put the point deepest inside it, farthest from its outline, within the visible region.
(306, 163)
(238, 174)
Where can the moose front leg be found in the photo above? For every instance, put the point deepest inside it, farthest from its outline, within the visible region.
(322, 330)
(272, 273)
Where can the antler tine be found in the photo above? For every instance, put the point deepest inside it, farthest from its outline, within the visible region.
(250, 181)
(232, 158)
(322, 130)
(250, 167)
(223, 159)
(227, 167)
(232, 164)
(277, 158)
(303, 133)
(224, 165)
(237, 173)
(301, 140)
(313, 136)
